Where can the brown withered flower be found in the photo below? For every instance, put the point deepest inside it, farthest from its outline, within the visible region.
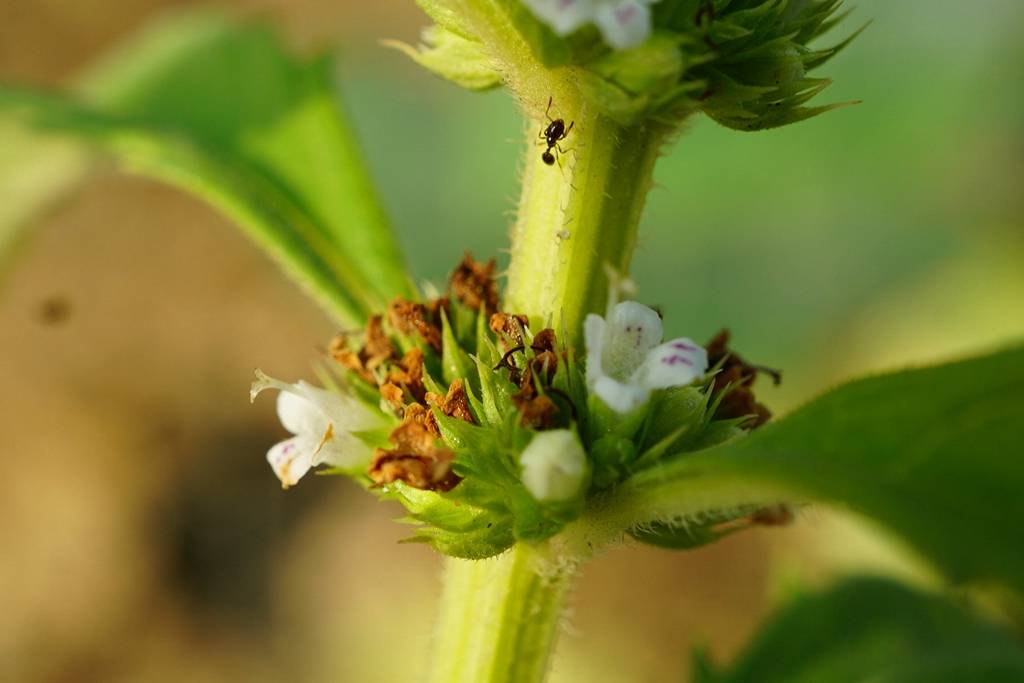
(545, 340)
(377, 349)
(545, 360)
(393, 394)
(508, 327)
(405, 376)
(454, 404)
(416, 457)
(536, 410)
(473, 284)
(411, 318)
(739, 375)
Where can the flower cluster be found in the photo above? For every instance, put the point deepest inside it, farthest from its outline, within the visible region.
(489, 432)
(745, 64)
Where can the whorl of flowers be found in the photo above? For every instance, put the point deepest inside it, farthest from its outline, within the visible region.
(489, 430)
(744, 63)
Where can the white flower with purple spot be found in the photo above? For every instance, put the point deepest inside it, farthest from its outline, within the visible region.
(626, 360)
(623, 23)
(322, 423)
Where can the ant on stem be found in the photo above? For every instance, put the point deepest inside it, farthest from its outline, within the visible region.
(551, 135)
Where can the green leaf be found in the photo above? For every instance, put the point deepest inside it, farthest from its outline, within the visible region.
(34, 168)
(224, 110)
(449, 55)
(873, 630)
(934, 454)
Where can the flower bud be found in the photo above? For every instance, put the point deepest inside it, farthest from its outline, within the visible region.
(554, 465)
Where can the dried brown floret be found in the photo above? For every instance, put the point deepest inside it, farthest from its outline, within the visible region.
(509, 328)
(416, 457)
(436, 306)
(740, 400)
(545, 362)
(718, 350)
(378, 347)
(455, 403)
(339, 350)
(376, 350)
(393, 394)
(739, 376)
(544, 365)
(545, 340)
(408, 375)
(416, 433)
(536, 410)
(409, 318)
(473, 284)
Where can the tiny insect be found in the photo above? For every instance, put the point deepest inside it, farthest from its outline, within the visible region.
(551, 135)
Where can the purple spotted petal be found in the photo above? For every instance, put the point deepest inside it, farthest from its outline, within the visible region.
(624, 24)
(673, 364)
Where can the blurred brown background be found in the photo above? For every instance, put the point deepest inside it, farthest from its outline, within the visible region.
(143, 537)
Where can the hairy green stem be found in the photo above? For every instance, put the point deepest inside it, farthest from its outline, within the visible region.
(499, 617)
(579, 217)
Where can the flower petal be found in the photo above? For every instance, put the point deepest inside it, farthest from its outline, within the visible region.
(291, 459)
(593, 341)
(321, 421)
(621, 397)
(299, 415)
(341, 449)
(563, 16)
(554, 465)
(345, 412)
(673, 364)
(632, 330)
(624, 24)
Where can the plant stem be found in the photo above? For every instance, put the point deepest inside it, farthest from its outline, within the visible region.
(499, 617)
(577, 218)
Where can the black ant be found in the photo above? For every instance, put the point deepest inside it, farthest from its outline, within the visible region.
(555, 131)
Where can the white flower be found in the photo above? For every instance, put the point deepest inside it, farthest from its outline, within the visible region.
(553, 465)
(322, 422)
(623, 23)
(626, 359)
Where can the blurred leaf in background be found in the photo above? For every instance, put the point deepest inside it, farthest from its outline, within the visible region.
(221, 108)
(873, 629)
(35, 168)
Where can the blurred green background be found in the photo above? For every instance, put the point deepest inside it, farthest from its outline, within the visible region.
(142, 536)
